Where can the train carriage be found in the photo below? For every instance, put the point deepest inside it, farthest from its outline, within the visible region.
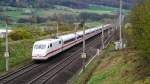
(44, 49)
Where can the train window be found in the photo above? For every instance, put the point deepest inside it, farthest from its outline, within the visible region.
(59, 42)
(50, 45)
(40, 46)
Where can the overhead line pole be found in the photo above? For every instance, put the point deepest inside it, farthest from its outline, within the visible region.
(83, 52)
(120, 23)
(83, 39)
(6, 54)
(76, 26)
(57, 29)
(102, 37)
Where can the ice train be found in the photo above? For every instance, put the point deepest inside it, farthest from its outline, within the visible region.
(44, 49)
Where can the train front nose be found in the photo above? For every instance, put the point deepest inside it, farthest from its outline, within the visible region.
(38, 56)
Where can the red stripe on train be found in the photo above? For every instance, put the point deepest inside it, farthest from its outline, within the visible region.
(65, 45)
(60, 48)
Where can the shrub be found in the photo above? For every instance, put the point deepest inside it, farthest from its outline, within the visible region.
(21, 32)
(140, 25)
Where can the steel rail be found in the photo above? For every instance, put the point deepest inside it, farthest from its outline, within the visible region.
(58, 64)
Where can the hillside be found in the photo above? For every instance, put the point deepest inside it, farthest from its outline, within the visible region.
(68, 3)
(116, 67)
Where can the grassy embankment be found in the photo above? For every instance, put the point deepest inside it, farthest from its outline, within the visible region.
(20, 53)
(116, 67)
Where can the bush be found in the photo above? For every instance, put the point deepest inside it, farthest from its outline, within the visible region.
(26, 32)
(20, 33)
(141, 26)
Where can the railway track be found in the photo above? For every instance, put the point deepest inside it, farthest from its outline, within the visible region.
(52, 71)
(48, 79)
(8, 77)
(49, 73)
(52, 80)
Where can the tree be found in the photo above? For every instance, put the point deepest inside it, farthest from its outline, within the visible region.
(140, 19)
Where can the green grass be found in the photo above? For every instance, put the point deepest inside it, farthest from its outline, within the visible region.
(20, 53)
(116, 67)
(93, 11)
(93, 24)
(98, 23)
(105, 9)
(85, 76)
(120, 67)
(50, 12)
(102, 74)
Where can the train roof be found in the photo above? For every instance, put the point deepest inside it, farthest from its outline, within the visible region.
(107, 25)
(67, 37)
(71, 35)
(47, 41)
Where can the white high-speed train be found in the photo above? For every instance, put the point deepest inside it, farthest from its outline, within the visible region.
(44, 49)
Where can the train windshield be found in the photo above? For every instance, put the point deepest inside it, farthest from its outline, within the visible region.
(39, 46)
